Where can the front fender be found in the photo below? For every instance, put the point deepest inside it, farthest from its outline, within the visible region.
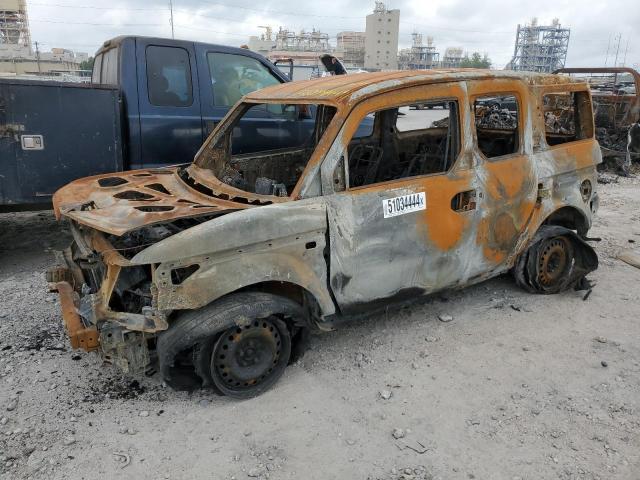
(282, 242)
(296, 263)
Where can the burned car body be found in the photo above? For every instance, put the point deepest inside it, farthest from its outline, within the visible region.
(222, 267)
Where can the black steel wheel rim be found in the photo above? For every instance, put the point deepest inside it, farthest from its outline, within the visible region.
(554, 261)
(246, 357)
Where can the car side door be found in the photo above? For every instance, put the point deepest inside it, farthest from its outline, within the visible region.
(169, 103)
(402, 202)
(502, 151)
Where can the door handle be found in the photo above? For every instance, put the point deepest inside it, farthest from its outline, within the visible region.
(465, 201)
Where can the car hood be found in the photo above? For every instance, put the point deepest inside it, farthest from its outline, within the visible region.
(121, 202)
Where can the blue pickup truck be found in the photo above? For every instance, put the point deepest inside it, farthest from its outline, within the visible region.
(151, 102)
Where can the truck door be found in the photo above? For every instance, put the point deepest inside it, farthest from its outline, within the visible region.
(169, 103)
(405, 223)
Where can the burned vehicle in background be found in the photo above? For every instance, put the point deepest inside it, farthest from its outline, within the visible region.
(222, 267)
(616, 105)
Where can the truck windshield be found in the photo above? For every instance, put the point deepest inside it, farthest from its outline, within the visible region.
(266, 148)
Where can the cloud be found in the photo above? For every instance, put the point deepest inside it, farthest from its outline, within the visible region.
(488, 26)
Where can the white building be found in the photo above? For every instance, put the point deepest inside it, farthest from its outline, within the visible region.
(381, 44)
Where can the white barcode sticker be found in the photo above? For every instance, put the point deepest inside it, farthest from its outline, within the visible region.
(392, 207)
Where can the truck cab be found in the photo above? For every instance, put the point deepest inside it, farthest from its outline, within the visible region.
(174, 92)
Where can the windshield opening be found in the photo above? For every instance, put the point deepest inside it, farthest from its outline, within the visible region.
(267, 147)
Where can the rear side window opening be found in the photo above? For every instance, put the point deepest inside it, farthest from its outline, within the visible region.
(109, 71)
(567, 117)
(497, 125)
(97, 69)
(267, 153)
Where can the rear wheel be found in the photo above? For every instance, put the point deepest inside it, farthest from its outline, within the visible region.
(555, 259)
(547, 266)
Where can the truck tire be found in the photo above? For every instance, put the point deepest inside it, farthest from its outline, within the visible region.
(240, 344)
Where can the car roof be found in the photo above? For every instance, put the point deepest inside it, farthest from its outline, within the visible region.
(359, 85)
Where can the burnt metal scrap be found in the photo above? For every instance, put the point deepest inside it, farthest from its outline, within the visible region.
(225, 265)
(616, 110)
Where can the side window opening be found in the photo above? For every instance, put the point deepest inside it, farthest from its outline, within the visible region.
(268, 157)
(405, 143)
(97, 70)
(169, 76)
(497, 129)
(567, 117)
(233, 76)
(109, 74)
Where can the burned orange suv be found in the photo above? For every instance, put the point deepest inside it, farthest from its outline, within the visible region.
(315, 200)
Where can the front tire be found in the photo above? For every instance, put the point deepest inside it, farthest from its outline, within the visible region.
(251, 331)
(248, 360)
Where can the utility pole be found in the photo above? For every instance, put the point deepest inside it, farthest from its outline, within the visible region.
(171, 19)
(606, 58)
(626, 50)
(615, 62)
(38, 57)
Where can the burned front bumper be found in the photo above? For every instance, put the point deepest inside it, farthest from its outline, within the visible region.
(86, 280)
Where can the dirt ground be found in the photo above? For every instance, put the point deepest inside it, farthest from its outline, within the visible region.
(517, 386)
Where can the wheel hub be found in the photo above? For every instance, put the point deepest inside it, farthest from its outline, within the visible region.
(245, 356)
(553, 261)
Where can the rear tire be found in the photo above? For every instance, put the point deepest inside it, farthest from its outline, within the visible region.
(547, 266)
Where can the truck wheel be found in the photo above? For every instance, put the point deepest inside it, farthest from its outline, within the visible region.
(555, 260)
(240, 344)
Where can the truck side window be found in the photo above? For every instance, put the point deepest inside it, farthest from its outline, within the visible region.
(497, 125)
(109, 75)
(567, 117)
(233, 76)
(97, 69)
(405, 143)
(169, 76)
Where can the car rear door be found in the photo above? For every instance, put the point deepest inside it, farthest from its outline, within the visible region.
(502, 152)
(169, 102)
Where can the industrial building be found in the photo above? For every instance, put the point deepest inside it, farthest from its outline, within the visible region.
(540, 48)
(351, 45)
(20, 56)
(452, 57)
(419, 56)
(303, 47)
(15, 38)
(381, 43)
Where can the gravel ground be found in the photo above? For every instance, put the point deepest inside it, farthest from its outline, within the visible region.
(514, 386)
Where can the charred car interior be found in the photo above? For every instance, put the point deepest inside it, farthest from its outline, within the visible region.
(218, 270)
(280, 145)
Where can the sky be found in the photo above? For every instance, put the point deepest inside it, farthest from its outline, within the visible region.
(486, 26)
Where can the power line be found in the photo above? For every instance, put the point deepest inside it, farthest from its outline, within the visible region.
(277, 12)
(92, 7)
(65, 22)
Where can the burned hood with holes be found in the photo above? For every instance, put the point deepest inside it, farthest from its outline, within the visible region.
(121, 202)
